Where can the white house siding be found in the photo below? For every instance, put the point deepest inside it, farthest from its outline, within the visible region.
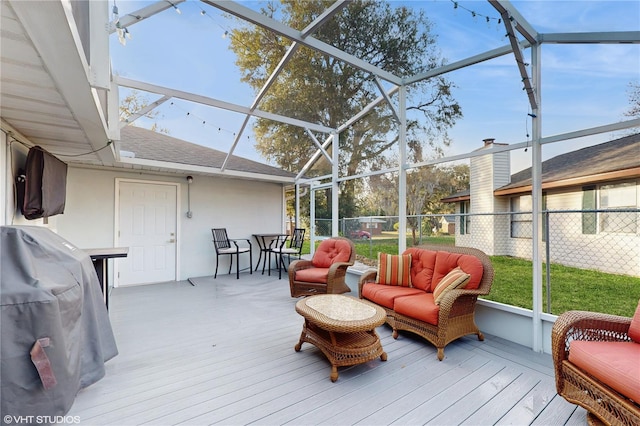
(244, 207)
(607, 252)
(489, 172)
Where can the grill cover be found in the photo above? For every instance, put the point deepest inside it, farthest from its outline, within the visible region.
(50, 294)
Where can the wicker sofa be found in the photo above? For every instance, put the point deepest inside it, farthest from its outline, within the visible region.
(597, 364)
(414, 308)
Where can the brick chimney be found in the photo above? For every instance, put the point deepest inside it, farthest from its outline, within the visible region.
(487, 173)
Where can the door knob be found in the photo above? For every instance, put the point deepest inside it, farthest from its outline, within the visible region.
(172, 240)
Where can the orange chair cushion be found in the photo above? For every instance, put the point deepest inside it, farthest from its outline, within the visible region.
(634, 328)
(616, 364)
(446, 261)
(394, 269)
(312, 275)
(331, 251)
(384, 295)
(422, 265)
(420, 306)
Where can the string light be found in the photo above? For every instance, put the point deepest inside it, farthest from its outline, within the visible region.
(474, 14)
(115, 18)
(178, 11)
(226, 33)
(204, 122)
(123, 33)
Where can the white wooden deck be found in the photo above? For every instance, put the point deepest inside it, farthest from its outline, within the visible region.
(221, 352)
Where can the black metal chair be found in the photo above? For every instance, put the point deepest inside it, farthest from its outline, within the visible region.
(279, 248)
(224, 246)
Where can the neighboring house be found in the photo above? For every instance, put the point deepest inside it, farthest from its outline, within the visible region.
(447, 224)
(592, 196)
(371, 225)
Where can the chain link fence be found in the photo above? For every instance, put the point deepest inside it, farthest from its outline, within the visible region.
(603, 240)
(607, 241)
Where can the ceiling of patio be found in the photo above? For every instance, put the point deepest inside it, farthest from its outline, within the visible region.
(45, 98)
(42, 95)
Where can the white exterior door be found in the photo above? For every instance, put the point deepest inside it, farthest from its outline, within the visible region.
(147, 226)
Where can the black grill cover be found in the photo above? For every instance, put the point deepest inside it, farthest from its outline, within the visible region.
(50, 293)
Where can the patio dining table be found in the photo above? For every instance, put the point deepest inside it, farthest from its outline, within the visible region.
(264, 243)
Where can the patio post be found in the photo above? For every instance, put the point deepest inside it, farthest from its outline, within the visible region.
(335, 212)
(402, 169)
(536, 196)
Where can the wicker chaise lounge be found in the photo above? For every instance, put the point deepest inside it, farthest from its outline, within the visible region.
(603, 373)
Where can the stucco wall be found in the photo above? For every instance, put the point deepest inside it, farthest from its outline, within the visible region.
(243, 207)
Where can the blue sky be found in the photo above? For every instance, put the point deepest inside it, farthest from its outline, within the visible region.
(582, 85)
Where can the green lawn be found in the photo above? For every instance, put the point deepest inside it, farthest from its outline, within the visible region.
(571, 288)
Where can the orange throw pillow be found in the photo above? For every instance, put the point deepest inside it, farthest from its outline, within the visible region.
(394, 270)
(454, 279)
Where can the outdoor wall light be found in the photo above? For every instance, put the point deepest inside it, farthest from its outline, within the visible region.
(189, 182)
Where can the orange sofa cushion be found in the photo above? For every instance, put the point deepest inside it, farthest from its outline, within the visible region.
(331, 251)
(616, 364)
(384, 295)
(394, 270)
(446, 261)
(313, 275)
(422, 265)
(420, 306)
(634, 328)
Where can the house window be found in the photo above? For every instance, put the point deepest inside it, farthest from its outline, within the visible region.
(618, 196)
(521, 217)
(465, 219)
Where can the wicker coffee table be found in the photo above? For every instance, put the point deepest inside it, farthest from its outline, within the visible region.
(343, 328)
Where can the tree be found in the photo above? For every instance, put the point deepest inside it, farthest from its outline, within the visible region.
(319, 88)
(135, 102)
(634, 105)
(634, 100)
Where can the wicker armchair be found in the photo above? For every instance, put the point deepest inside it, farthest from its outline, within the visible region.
(604, 405)
(326, 271)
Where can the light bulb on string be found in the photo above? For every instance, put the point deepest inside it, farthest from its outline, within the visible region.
(178, 11)
(120, 32)
(115, 17)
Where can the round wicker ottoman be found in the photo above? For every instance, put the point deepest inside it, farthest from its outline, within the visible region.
(343, 328)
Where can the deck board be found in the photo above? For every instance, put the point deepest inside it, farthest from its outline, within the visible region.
(222, 352)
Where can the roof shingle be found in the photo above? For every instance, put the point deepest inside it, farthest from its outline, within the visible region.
(150, 145)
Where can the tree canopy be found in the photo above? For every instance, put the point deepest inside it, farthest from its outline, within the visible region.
(319, 88)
